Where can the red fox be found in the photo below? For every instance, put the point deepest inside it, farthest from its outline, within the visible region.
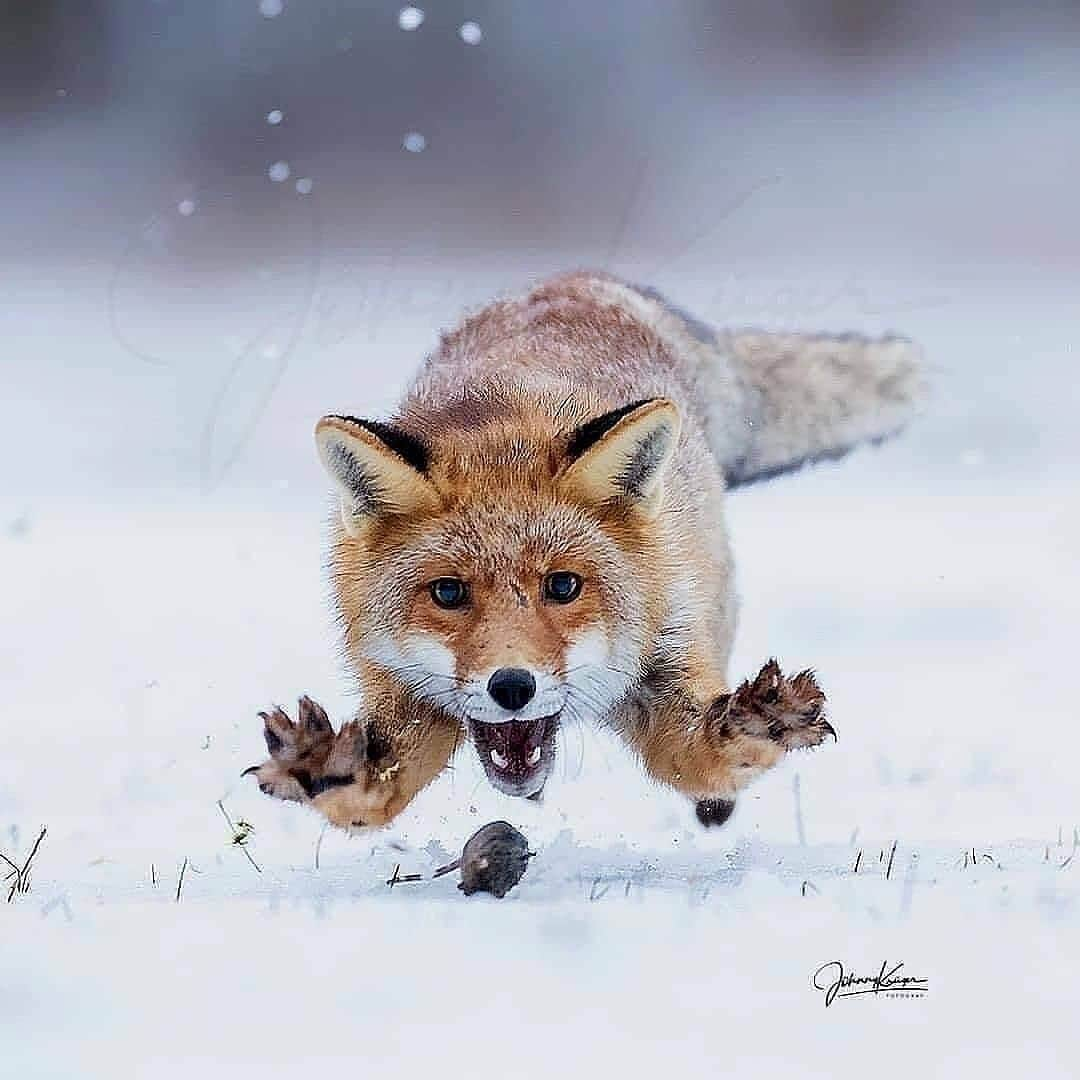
(539, 534)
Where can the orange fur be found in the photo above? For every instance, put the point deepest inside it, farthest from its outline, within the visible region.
(566, 431)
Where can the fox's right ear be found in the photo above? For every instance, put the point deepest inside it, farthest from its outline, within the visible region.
(621, 457)
(378, 469)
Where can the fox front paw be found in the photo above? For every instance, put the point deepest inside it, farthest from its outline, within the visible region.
(298, 752)
(345, 776)
(788, 712)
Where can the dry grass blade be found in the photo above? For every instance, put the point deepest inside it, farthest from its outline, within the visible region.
(399, 878)
(241, 832)
(21, 874)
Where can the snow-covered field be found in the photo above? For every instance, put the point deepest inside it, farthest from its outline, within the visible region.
(167, 340)
(162, 519)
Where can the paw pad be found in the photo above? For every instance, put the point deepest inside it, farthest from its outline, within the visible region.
(714, 811)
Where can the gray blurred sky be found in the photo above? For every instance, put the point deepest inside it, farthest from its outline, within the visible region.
(894, 168)
(579, 126)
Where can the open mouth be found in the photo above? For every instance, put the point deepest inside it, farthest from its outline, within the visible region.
(516, 754)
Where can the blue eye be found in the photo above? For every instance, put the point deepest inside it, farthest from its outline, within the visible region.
(449, 592)
(562, 587)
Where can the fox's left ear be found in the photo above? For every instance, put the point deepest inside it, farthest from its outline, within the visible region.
(621, 457)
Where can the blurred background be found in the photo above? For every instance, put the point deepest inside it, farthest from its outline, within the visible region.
(563, 125)
(202, 200)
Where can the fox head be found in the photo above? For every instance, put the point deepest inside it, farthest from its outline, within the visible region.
(501, 568)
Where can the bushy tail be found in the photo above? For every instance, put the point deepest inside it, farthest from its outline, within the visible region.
(807, 398)
(776, 402)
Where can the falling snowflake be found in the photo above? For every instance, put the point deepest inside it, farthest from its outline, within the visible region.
(270, 9)
(304, 185)
(471, 33)
(410, 18)
(278, 172)
(275, 116)
(414, 142)
(186, 207)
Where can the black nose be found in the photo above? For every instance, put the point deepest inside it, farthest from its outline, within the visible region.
(512, 687)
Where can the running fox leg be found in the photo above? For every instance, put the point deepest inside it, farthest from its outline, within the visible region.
(366, 773)
(710, 745)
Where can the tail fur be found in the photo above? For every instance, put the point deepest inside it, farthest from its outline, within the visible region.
(808, 398)
(780, 401)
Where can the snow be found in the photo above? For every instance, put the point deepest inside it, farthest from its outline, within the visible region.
(305, 185)
(414, 142)
(270, 9)
(162, 522)
(278, 172)
(410, 18)
(471, 33)
(274, 117)
(185, 207)
(146, 624)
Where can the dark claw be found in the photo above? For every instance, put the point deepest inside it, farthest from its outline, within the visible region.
(273, 740)
(829, 728)
(313, 716)
(250, 769)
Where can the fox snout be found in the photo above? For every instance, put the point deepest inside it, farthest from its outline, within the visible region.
(513, 693)
(513, 720)
(512, 688)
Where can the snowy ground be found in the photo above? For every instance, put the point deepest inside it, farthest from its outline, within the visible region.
(160, 567)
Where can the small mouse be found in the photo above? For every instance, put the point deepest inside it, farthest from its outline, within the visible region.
(494, 860)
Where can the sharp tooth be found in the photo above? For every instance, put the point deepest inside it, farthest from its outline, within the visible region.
(534, 757)
(499, 760)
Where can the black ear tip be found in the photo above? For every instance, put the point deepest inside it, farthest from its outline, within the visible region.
(592, 431)
(410, 448)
